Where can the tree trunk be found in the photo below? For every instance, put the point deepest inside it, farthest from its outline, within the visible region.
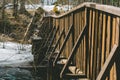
(22, 7)
(15, 9)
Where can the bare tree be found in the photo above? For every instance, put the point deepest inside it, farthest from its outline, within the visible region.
(15, 9)
(22, 6)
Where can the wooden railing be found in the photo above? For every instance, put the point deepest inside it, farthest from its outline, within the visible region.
(91, 41)
(105, 2)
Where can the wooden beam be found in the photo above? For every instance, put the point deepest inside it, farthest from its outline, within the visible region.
(73, 52)
(49, 36)
(52, 40)
(61, 34)
(105, 8)
(63, 45)
(108, 63)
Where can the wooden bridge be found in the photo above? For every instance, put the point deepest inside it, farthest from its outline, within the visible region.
(83, 43)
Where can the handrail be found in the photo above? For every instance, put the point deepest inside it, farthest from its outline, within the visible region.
(74, 50)
(106, 8)
(108, 63)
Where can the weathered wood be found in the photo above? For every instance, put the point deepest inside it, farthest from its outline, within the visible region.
(89, 37)
(103, 40)
(108, 63)
(105, 8)
(57, 43)
(52, 40)
(101, 35)
(92, 46)
(74, 50)
(63, 45)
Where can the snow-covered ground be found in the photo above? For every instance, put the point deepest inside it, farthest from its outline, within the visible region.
(15, 54)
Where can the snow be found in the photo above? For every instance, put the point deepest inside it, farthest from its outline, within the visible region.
(15, 54)
(48, 8)
(34, 6)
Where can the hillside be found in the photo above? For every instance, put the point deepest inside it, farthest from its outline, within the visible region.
(14, 27)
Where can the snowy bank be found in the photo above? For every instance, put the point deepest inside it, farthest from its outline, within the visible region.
(15, 54)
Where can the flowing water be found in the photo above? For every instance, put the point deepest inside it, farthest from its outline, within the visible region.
(17, 74)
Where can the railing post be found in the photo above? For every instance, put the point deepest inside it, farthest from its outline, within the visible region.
(87, 42)
(38, 56)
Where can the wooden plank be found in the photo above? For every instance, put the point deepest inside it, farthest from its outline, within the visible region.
(117, 30)
(117, 42)
(92, 45)
(117, 61)
(84, 46)
(113, 42)
(98, 43)
(100, 39)
(73, 42)
(81, 45)
(63, 45)
(80, 48)
(73, 52)
(63, 26)
(108, 37)
(83, 54)
(107, 78)
(67, 27)
(78, 56)
(74, 70)
(87, 42)
(72, 22)
(69, 40)
(103, 40)
(58, 34)
(52, 40)
(108, 41)
(57, 43)
(106, 8)
(114, 66)
(108, 63)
